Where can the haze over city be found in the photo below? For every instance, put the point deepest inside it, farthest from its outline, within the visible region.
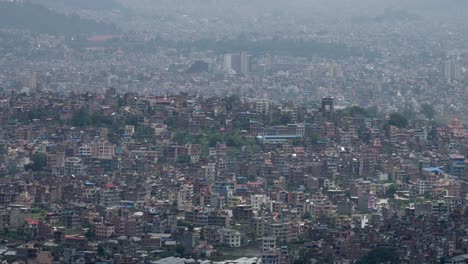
(233, 131)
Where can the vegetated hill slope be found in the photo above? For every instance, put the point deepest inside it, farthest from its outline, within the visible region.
(39, 19)
(81, 4)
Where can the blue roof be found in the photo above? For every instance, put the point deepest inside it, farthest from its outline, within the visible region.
(278, 136)
(88, 183)
(435, 170)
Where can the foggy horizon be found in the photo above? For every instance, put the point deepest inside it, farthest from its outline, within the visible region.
(234, 131)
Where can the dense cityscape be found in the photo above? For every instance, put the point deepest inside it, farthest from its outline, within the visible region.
(233, 132)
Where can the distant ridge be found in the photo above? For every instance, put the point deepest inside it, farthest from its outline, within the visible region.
(39, 19)
(81, 4)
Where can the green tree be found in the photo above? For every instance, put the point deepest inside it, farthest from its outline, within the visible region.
(144, 133)
(183, 159)
(380, 255)
(285, 119)
(101, 252)
(427, 195)
(170, 121)
(391, 191)
(98, 119)
(3, 152)
(353, 111)
(40, 19)
(278, 118)
(241, 123)
(387, 149)
(189, 226)
(12, 168)
(181, 137)
(398, 120)
(312, 140)
(120, 102)
(408, 111)
(180, 249)
(305, 256)
(328, 259)
(90, 235)
(233, 140)
(373, 111)
(81, 118)
(428, 110)
(132, 121)
(213, 139)
(39, 162)
(231, 101)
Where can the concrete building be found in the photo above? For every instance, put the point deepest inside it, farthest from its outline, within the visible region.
(452, 71)
(237, 63)
(328, 107)
(271, 257)
(461, 259)
(104, 231)
(268, 244)
(456, 165)
(229, 237)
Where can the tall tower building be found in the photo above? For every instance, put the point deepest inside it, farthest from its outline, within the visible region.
(227, 62)
(237, 63)
(452, 71)
(245, 63)
(30, 81)
(328, 107)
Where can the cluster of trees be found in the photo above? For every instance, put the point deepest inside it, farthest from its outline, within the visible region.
(380, 255)
(391, 191)
(232, 139)
(389, 16)
(375, 256)
(3, 152)
(40, 19)
(306, 256)
(278, 118)
(83, 117)
(37, 113)
(144, 133)
(281, 46)
(428, 110)
(398, 119)
(354, 111)
(231, 102)
(39, 162)
(84, 4)
(198, 67)
(13, 43)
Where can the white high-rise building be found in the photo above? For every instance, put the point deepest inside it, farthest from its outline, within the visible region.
(237, 63)
(245, 63)
(227, 62)
(452, 71)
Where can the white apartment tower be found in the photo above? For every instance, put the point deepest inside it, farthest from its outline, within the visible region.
(237, 63)
(452, 71)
